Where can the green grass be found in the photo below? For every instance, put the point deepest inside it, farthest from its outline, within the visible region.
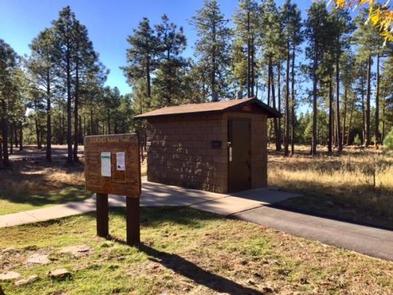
(12, 203)
(186, 251)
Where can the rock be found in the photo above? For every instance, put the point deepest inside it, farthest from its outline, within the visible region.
(37, 258)
(268, 289)
(9, 251)
(9, 276)
(60, 274)
(31, 248)
(29, 280)
(76, 251)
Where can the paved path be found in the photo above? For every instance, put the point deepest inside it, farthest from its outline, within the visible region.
(157, 195)
(249, 205)
(363, 239)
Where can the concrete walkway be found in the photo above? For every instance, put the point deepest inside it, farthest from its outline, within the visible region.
(252, 206)
(157, 195)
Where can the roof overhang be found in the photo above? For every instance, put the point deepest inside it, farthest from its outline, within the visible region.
(211, 107)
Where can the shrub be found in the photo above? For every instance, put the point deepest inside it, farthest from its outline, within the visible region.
(357, 140)
(388, 141)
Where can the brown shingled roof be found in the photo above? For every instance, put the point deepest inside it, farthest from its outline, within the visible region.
(219, 106)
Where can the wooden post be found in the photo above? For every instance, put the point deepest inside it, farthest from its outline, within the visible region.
(132, 215)
(102, 215)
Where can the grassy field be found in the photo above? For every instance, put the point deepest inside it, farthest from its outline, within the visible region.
(32, 184)
(187, 252)
(357, 185)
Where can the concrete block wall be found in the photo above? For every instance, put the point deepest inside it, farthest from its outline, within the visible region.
(180, 152)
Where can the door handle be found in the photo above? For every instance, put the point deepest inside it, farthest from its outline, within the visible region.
(230, 151)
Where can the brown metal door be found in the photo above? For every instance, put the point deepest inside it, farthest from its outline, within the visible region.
(239, 154)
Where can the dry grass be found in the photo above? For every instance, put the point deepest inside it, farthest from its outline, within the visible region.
(360, 179)
(31, 184)
(187, 252)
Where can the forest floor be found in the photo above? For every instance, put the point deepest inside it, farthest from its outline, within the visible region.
(183, 251)
(356, 186)
(31, 182)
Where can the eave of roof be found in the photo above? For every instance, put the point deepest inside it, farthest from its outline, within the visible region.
(220, 106)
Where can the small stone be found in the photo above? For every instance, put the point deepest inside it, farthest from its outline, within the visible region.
(9, 250)
(38, 259)
(31, 248)
(76, 251)
(9, 276)
(60, 274)
(27, 281)
(303, 281)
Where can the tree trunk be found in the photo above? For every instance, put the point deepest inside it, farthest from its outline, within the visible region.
(11, 138)
(286, 136)
(330, 139)
(37, 134)
(4, 123)
(383, 121)
(368, 104)
(248, 56)
(279, 105)
(339, 135)
(344, 130)
(48, 120)
(314, 104)
(274, 105)
(377, 133)
(108, 114)
(293, 115)
(15, 134)
(21, 137)
(350, 124)
(76, 112)
(69, 110)
(363, 111)
(268, 82)
(252, 65)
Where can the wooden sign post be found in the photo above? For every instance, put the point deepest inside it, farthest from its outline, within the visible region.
(112, 167)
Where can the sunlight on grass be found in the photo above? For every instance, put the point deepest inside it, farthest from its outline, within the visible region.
(362, 179)
(186, 251)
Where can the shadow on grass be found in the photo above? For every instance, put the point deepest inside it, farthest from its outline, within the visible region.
(27, 182)
(192, 271)
(153, 217)
(65, 195)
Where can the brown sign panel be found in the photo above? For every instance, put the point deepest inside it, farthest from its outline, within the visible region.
(112, 164)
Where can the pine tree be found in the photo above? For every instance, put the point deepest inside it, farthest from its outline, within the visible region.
(292, 25)
(168, 81)
(212, 47)
(343, 27)
(369, 44)
(272, 44)
(65, 49)
(316, 34)
(142, 56)
(247, 22)
(42, 68)
(8, 65)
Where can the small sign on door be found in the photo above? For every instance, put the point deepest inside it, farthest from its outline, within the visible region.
(106, 164)
(120, 161)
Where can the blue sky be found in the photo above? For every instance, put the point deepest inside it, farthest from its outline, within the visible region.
(109, 23)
